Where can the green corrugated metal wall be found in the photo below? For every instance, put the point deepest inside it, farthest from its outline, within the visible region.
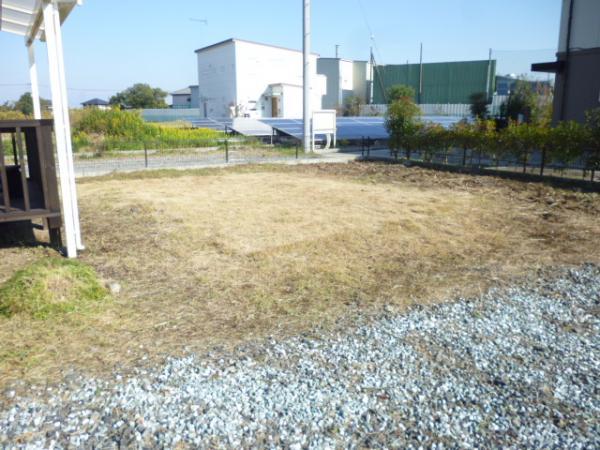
(449, 82)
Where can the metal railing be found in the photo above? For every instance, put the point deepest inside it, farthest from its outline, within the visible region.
(153, 155)
(527, 163)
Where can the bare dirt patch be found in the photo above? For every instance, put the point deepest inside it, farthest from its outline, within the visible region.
(216, 257)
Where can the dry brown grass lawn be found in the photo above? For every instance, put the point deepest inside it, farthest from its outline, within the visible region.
(216, 257)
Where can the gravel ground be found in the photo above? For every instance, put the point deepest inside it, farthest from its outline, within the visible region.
(518, 367)
(103, 166)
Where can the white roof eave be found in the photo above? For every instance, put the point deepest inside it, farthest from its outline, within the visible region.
(24, 17)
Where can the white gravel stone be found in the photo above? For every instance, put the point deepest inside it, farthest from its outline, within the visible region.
(518, 367)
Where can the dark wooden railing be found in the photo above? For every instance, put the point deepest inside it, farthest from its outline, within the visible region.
(28, 182)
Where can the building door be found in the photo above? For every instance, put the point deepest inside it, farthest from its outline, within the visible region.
(274, 106)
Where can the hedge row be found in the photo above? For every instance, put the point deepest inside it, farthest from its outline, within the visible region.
(562, 145)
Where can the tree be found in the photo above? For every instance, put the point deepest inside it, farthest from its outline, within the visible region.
(25, 104)
(140, 96)
(403, 124)
(479, 105)
(543, 102)
(352, 106)
(399, 92)
(521, 102)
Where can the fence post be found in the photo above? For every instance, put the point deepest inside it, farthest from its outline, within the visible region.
(297, 149)
(464, 162)
(362, 147)
(368, 147)
(145, 155)
(226, 150)
(14, 147)
(543, 163)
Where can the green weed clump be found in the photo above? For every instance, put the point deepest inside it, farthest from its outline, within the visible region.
(6, 114)
(51, 287)
(109, 130)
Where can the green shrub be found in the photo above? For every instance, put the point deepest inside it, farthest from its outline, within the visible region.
(403, 125)
(6, 114)
(479, 105)
(431, 139)
(114, 129)
(112, 122)
(566, 142)
(486, 140)
(51, 287)
(592, 126)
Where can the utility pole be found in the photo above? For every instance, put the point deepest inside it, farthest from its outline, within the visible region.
(372, 76)
(489, 76)
(307, 74)
(421, 74)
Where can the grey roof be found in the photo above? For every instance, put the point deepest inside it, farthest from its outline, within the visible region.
(95, 102)
(184, 91)
(233, 40)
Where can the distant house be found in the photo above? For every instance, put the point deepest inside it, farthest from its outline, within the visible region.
(188, 97)
(96, 103)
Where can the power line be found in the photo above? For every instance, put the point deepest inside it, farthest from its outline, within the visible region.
(48, 86)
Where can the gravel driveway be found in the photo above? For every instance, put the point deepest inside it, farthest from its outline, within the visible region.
(518, 367)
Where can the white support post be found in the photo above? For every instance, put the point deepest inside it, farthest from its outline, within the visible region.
(67, 124)
(60, 130)
(307, 76)
(35, 89)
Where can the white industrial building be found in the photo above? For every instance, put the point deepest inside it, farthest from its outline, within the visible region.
(238, 78)
(345, 79)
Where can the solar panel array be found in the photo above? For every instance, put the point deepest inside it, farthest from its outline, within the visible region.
(291, 127)
(353, 128)
(349, 128)
(212, 124)
(251, 127)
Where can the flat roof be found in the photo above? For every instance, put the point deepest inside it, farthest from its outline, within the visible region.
(286, 84)
(234, 40)
(345, 59)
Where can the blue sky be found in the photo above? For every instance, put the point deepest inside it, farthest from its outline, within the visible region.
(111, 44)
